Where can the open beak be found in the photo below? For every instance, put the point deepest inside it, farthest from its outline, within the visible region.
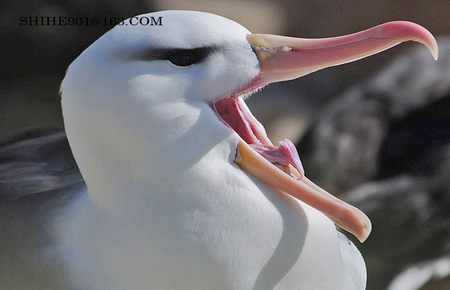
(284, 58)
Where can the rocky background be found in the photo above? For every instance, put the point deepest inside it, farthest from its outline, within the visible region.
(376, 132)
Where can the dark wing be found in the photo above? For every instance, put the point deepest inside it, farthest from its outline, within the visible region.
(34, 162)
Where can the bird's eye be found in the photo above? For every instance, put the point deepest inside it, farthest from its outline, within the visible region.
(187, 57)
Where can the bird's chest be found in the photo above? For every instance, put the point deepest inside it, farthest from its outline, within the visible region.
(247, 238)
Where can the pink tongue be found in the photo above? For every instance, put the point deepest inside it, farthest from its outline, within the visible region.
(237, 115)
(286, 154)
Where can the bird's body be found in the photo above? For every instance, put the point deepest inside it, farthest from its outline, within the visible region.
(162, 137)
(86, 247)
(203, 246)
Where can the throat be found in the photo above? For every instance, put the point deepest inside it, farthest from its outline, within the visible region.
(160, 228)
(234, 113)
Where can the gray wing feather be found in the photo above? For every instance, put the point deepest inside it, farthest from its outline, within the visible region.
(35, 162)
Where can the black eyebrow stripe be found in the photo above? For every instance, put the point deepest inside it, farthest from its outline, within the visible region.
(164, 53)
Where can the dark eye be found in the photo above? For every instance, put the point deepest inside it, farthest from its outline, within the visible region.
(187, 57)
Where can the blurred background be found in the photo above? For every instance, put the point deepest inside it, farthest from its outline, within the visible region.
(376, 132)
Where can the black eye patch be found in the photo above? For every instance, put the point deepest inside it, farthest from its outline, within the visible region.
(180, 56)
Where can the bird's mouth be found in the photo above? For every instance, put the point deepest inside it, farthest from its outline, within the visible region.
(235, 113)
(283, 58)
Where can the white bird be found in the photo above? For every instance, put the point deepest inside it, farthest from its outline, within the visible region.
(185, 190)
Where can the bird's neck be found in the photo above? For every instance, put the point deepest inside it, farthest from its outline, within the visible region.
(133, 157)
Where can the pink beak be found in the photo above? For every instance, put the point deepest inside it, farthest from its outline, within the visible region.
(284, 58)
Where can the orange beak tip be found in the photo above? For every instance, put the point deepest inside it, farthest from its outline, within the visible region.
(353, 220)
(342, 214)
(366, 229)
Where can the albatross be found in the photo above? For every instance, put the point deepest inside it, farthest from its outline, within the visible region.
(184, 188)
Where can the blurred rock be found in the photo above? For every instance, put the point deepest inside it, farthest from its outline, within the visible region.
(286, 109)
(406, 103)
(386, 143)
(431, 275)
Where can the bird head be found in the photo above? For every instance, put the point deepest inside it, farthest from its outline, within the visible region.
(139, 93)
